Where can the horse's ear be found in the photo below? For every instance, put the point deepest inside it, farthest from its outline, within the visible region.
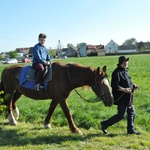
(104, 68)
(98, 69)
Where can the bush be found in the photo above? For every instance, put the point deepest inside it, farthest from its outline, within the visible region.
(2, 106)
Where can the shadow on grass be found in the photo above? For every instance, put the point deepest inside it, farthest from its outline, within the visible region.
(14, 137)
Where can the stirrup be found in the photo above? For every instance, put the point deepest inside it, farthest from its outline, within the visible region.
(41, 87)
(37, 86)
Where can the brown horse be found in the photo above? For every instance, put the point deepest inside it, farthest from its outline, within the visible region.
(65, 77)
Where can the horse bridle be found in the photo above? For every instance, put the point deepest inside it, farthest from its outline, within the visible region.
(99, 86)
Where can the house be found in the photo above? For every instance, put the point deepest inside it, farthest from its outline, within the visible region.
(27, 51)
(20, 54)
(4, 54)
(127, 49)
(79, 51)
(70, 52)
(111, 48)
(90, 50)
(82, 50)
(95, 50)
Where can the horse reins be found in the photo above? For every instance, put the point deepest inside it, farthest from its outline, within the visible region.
(81, 95)
(74, 88)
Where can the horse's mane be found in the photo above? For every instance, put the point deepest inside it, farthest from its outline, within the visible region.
(76, 65)
(73, 64)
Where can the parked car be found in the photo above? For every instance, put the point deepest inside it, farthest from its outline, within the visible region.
(3, 60)
(26, 60)
(12, 61)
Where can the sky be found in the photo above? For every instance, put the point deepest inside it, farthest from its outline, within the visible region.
(72, 21)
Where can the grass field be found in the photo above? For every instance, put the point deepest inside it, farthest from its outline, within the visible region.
(30, 134)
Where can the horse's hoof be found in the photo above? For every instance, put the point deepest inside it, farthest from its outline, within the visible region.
(11, 119)
(79, 132)
(13, 123)
(47, 126)
(16, 113)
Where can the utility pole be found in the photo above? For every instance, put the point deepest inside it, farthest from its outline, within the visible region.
(59, 49)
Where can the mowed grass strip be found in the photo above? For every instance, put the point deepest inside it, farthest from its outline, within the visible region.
(30, 134)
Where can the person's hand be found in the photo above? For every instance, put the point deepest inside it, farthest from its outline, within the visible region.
(127, 90)
(136, 87)
(47, 62)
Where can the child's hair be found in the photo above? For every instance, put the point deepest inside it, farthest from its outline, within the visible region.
(42, 35)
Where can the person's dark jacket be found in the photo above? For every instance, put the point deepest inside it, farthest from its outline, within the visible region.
(121, 78)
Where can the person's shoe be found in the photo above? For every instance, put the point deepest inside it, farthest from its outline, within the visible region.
(134, 132)
(103, 127)
(37, 87)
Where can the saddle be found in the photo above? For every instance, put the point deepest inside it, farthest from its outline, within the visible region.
(26, 77)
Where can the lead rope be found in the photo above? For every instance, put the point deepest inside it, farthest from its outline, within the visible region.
(119, 97)
(130, 101)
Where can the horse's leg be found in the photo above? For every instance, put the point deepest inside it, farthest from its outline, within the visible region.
(52, 107)
(11, 117)
(11, 97)
(15, 110)
(68, 115)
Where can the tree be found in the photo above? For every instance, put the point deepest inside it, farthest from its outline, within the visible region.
(131, 41)
(13, 54)
(141, 46)
(52, 52)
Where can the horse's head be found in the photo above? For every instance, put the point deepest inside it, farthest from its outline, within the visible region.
(102, 88)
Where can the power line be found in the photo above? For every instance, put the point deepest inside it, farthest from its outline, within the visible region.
(23, 40)
(15, 39)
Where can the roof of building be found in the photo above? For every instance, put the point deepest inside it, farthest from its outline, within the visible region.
(96, 47)
(26, 50)
(126, 47)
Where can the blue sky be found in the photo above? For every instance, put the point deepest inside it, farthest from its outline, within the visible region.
(72, 21)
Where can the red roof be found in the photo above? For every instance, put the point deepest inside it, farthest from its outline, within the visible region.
(95, 47)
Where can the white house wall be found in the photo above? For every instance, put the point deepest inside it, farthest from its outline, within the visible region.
(111, 47)
(128, 51)
(82, 50)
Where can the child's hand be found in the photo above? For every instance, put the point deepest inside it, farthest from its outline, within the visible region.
(48, 63)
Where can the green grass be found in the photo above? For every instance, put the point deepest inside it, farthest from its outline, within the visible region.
(30, 134)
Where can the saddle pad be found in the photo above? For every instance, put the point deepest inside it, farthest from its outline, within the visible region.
(26, 77)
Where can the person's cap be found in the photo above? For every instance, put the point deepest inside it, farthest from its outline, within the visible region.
(122, 59)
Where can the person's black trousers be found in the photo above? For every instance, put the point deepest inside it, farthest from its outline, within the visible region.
(120, 115)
